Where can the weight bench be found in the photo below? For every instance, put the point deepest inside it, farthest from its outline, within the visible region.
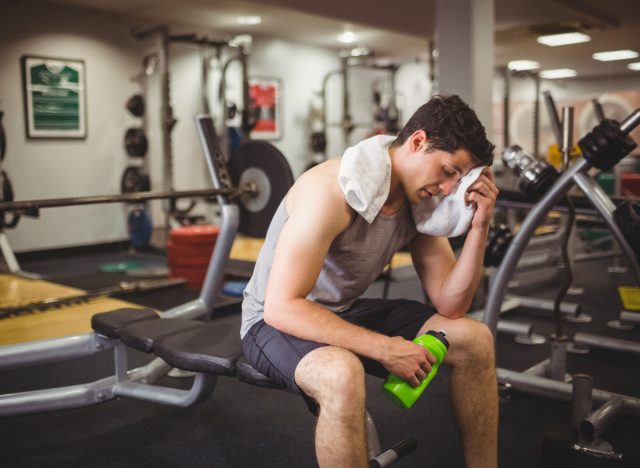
(209, 349)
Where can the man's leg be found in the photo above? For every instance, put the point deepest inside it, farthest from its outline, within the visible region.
(474, 392)
(334, 377)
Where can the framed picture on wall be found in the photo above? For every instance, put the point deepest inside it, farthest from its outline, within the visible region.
(54, 97)
(265, 102)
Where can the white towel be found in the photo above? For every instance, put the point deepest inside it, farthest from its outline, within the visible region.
(365, 178)
(447, 215)
(365, 175)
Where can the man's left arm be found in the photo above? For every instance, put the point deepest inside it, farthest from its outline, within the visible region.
(450, 283)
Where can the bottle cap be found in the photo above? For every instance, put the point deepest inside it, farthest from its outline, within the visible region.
(439, 335)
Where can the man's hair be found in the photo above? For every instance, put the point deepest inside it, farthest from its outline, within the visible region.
(450, 125)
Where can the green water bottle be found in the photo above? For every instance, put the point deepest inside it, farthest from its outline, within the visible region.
(402, 393)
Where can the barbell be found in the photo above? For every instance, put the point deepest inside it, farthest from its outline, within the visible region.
(261, 177)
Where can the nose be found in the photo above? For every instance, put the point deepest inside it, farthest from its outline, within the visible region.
(447, 186)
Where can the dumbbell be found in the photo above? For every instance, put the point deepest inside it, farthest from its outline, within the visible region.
(535, 176)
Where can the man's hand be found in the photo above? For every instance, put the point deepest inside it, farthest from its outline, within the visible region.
(483, 192)
(408, 360)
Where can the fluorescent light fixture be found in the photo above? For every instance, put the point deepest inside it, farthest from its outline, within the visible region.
(555, 40)
(522, 65)
(634, 66)
(249, 20)
(348, 37)
(558, 73)
(615, 55)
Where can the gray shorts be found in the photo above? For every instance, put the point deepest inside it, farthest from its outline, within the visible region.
(276, 354)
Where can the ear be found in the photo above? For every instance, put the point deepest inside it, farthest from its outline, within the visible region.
(418, 141)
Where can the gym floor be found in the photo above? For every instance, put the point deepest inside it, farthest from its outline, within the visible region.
(246, 426)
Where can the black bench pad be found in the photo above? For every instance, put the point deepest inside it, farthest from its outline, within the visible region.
(248, 374)
(143, 335)
(111, 323)
(212, 347)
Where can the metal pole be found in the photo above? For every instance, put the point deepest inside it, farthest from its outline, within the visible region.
(32, 206)
(601, 419)
(582, 386)
(521, 239)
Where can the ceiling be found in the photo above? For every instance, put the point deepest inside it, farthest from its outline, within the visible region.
(401, 28)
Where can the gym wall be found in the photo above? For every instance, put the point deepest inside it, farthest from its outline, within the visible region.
(55, 168)
(63, 168)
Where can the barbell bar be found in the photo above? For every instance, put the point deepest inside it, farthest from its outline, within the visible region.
(31, 207)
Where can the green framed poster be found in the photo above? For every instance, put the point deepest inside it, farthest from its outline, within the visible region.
(54, 97)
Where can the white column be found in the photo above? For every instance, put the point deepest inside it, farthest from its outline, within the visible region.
(465, 43)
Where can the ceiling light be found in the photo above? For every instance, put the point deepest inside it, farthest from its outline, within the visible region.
(348, 37)
(249, 20)
(558, 73)
(554, 40)
(359, 51)
(522, 65)
(615, 55)
(634, 66)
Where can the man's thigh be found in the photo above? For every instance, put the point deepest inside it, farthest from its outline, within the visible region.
(391, 317)
(276, 354)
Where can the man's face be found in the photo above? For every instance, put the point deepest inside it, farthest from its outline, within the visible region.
(437, 172)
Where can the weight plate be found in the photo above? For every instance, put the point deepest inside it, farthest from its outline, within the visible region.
(135, 142)
(7, 188)
(255, 203)
(260, 163)
(3, 138)
(7, 220)
(190, 250)
(194, 235)
(135, 105)
(134, 180)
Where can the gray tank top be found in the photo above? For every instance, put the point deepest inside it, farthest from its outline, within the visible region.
(355, 259)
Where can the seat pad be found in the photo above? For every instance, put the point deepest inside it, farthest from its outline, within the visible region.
(111, 323)
(143, 335)
(212, 347)
(248, 374)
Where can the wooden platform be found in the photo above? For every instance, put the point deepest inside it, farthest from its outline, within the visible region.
(53, 323)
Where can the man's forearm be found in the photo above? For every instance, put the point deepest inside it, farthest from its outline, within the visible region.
(310, 321)
(461, 283)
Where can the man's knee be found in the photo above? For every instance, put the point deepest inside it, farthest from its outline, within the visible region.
(477, 340)
(331, 374)
(470, 340)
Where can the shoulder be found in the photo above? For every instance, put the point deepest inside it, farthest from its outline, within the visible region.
(317, 192)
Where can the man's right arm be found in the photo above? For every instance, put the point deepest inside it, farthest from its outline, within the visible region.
(318, 213)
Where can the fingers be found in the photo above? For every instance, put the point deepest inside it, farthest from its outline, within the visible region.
(484, 187)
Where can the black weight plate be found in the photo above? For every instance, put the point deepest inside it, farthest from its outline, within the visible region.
(135, 142)
(135, 105)
(134, 180)
(3, 138)
(7, 220)
(261, 162)
(7, 188)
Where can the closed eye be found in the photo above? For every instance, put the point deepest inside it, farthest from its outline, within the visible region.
(448, 172)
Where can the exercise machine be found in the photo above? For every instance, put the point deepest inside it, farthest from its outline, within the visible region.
(603, 147)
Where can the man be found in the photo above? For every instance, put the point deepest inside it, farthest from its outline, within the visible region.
(305, 326)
